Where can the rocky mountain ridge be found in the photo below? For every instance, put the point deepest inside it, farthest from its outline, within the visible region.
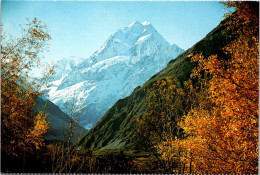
(126, 60)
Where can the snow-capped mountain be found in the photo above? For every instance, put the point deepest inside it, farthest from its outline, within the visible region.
(66, 65)
(126, 60)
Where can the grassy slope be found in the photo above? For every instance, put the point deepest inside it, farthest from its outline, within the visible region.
(115, 130)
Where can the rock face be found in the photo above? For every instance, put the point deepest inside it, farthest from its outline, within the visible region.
(126, 60)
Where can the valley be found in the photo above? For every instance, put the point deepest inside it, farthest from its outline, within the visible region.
(141, 103)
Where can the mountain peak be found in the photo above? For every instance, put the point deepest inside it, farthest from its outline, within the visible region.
(135, 23)
(126, 39)
(145, 23)
(126, 60)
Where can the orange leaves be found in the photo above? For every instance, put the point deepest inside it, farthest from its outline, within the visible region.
(40, 128)
(245, 19)
(159, 125)
(18, 119)
(226, 123)
(224, 132)
(22, 128)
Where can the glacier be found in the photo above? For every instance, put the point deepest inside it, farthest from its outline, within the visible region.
(90, 86)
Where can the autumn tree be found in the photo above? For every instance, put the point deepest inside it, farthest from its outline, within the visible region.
(223, 135)
(64, 155)
(160, 130)
(220, 106)
(22, 128)
(159, 126)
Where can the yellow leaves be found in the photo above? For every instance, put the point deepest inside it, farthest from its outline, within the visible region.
(224, 132)
(221, 112)
(18, 96)
(163, 83)
(39, 128)
(164, 102)
(190, 55)
(245, 20)
(166, 150)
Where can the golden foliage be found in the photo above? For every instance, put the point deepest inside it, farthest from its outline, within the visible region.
(22, 128)
(159, 125)
(223, 135)
(219, 103)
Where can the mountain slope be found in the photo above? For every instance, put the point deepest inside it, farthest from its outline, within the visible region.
(115, 129)
(126, 60)
(58, 122)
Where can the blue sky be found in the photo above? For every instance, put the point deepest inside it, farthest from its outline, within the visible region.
(79, 28)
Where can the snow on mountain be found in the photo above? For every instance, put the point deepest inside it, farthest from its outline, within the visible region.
(126, 60)
(66, 65)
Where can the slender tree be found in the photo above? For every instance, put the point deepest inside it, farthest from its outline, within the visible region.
(22, 128)
(159, 126)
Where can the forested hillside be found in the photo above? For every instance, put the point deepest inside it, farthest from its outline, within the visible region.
(201, 110)
(198, 115)
(115, 129)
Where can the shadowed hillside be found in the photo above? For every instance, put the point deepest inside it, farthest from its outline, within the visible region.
(59, 122)
(115, 130)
